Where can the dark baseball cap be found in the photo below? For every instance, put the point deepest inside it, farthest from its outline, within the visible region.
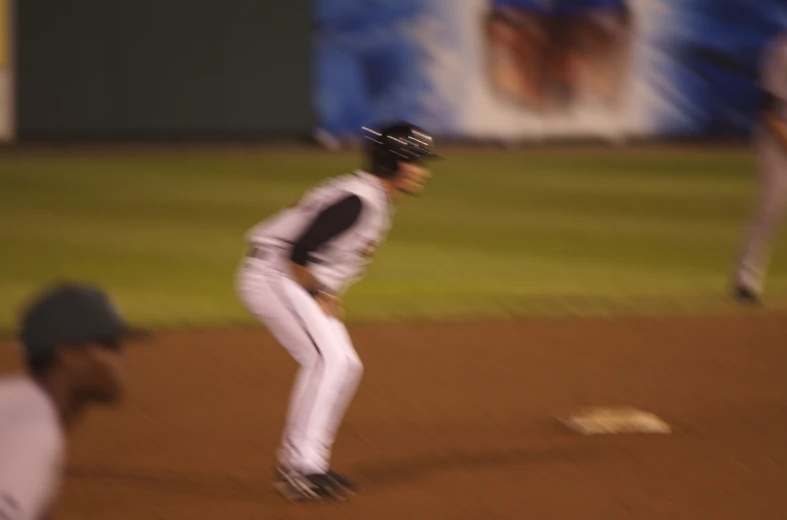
(71, 314)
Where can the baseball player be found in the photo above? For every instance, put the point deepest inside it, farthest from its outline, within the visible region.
(300, 262)
(72, 339)
(770, 143)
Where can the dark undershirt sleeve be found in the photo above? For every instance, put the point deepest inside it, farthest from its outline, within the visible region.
(769, 102)
(331, 222)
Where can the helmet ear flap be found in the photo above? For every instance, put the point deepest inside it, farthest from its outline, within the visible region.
(398, 142)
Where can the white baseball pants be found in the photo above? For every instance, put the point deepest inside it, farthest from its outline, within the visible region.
(330, 369)
(768, 214)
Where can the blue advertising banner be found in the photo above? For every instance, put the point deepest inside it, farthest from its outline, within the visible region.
(533, 69)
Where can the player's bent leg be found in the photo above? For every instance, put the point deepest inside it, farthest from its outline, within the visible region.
(338, 372)
(301, 398)
(340, 377)
(262, 294)
(329, 374)
(351, 382)
(771, 203)
(257, 287)
(354, 373)
(276, 302)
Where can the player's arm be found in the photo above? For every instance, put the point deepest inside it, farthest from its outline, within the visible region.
(773, 82)
(329, 223)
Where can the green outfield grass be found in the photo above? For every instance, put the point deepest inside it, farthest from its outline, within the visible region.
(496, 232)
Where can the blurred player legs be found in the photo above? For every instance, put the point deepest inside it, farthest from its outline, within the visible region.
(767, 216)
(330, 369)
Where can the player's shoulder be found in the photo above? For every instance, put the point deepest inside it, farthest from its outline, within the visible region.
(18, 389)
(26, 412)
(330, 185)
(358, 184)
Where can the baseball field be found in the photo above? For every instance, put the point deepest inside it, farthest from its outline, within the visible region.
(520, 285)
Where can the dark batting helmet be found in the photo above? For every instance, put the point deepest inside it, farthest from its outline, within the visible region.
(398, 142)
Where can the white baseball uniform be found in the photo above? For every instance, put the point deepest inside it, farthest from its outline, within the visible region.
(772, 172)
(333, 230)
(31, 450)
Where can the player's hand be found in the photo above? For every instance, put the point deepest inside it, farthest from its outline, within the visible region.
(330, 305)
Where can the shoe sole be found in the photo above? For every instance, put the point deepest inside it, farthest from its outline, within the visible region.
(347, 490)
(344, 484)
(296, 492)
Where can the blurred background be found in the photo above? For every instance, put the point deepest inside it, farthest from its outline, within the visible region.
(143, 138)
(516, 70)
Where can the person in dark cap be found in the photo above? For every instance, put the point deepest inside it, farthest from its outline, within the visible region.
(72, 341)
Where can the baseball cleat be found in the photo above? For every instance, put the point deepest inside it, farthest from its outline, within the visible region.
(297, 487)
(746, 296)
(343, 482)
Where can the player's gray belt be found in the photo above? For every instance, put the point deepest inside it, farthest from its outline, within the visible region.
(258, 253)
(266, 251)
